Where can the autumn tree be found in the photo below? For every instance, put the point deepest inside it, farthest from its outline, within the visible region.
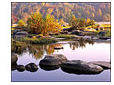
(73, 21)
(82, 22)
(61, 22)
(21, 23)
(46, 25)
(90, 22)
(35, 23)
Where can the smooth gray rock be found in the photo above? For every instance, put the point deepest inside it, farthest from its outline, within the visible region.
(103, 64)
(81, 67)
(13, 59)
(53, 60)
(31, 67)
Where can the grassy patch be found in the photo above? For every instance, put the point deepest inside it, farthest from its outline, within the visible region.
(108, 34)
(64, 36)
(106, 25)
(38, 40)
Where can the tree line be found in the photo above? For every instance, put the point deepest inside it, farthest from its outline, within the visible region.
(94, 11)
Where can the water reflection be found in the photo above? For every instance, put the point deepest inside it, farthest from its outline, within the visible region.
(80, 44)
(18, 48)
(37, 51)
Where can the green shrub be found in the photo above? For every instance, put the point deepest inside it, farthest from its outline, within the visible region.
(38, 40)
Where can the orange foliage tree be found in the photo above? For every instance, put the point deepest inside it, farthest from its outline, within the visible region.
(38, 24)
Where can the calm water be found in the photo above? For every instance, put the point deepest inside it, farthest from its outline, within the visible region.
(86, 51)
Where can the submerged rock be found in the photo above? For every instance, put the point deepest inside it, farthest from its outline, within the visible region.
(13, 59)
(53, 60)
(81, 67)
(31, 67)
(103, 64)
(20, 68)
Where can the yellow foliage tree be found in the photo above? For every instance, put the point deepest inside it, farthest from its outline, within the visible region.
(21, 23)
(46, 25)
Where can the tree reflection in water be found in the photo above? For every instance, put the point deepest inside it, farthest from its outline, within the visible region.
(80, 44)
(37, 51)
(18, 47)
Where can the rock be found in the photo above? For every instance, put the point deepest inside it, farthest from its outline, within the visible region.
(21, 34)
(77, 32)
(69, 29)
(87, 37)
(104, 38)
(31, 67)
(103, 64)
(48, 68)
(53, 60)
(13, 59)
(81, 67)
(20, 68)
(95, 38)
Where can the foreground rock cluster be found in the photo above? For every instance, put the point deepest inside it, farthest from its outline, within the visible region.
(55, 61)
(32, 67)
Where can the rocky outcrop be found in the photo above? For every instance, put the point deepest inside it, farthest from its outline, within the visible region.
(81, 67)
(103, 64)
(31, 67)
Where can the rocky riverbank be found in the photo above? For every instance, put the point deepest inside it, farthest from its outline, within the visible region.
(55, 61)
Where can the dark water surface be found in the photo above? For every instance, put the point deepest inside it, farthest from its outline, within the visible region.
(87, 51)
